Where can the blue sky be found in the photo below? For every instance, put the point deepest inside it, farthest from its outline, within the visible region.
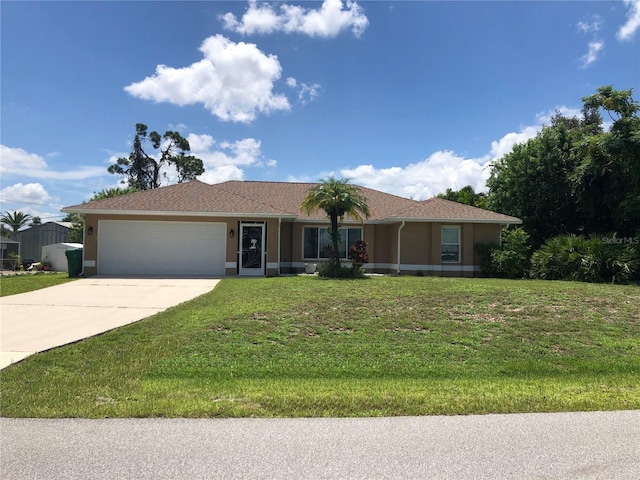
(406, 97)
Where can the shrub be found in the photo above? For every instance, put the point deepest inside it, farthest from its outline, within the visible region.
(333, 269)
(509, 260)
(358, 254)
(595, 259)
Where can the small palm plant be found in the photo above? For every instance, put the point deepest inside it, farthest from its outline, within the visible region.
(338, 198)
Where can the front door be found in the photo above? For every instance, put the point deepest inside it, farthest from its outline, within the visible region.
(252, 244)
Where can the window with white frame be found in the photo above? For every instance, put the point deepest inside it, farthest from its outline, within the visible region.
(317, 242)
(450, 239)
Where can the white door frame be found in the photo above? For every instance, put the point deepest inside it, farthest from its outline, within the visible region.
(251, 250)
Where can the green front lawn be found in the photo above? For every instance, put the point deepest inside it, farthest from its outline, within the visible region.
(27, 282)
(304, 346)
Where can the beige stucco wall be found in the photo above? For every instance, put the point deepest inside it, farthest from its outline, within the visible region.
(420, 243)
(385, 244)
(421, 251)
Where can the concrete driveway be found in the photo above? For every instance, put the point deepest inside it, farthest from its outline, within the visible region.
(37, 321)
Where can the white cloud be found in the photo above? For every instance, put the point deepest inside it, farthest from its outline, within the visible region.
(222, 174)
(441, 170)
(436, 173)
(306, 92)
(30, 193)
(632, 24)
(590, 27)
(544, 118)
(328, 21)
(234, 81)
(503, 146)
(16, 161)
(595, 49)
(30, 198)
(245, 152)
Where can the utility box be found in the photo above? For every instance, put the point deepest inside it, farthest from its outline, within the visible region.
(74, 260)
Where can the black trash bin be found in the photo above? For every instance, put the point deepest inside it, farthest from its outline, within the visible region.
(74, 261)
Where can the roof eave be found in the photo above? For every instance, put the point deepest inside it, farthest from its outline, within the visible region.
(501, 221)
(159, 213)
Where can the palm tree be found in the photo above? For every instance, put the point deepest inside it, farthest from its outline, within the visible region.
(337, 198)
(15, 220)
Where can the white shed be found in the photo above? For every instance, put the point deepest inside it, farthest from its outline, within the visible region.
(54, 254)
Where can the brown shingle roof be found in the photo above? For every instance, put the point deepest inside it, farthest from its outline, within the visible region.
(274, 199)
(446, 210)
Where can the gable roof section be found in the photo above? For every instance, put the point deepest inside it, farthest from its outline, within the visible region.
(275, 199)
(439, 209)
(193, 198)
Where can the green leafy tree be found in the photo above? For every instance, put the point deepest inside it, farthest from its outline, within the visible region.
(574, 177)
(610, 165)
(143, 170)
(16, 220)
(35, 221)
(338, 198)
(113, 192)
(76, 233)
(465, 195)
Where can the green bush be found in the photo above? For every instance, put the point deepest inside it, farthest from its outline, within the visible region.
(596, 259)
(332, 269)
(509, 260)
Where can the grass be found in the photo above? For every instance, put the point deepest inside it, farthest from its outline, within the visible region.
(13, 284)
(301, 346)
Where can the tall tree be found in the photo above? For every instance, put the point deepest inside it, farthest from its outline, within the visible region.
(144, 170)
(15, 220)
(574, 177)
(338, 198)
(611, 161)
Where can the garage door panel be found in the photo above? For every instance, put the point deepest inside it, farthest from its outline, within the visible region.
(128, 247)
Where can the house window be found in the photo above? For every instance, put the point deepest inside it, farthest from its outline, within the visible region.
(317, 243)
(450, 244)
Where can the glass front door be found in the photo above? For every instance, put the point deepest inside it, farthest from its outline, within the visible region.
(252, 249)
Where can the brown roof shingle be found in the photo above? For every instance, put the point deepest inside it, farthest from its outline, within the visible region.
(275, 199)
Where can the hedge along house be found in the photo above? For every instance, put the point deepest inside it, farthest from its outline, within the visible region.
(257, 228)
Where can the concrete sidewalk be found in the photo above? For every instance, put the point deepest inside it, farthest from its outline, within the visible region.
(37, 321)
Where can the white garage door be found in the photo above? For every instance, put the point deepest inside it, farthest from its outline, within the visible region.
(128, 247)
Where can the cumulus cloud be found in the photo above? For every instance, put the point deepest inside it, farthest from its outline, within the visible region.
(17, 161)
(501, 147)
(631, 26)
(30, 193)
(234, 81)
(439, 171)
(222, 174)
(328, 21)
(227, 160)
(595, 50)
